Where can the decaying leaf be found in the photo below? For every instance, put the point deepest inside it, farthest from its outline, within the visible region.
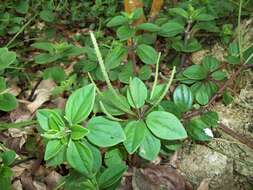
(204, 185)
(42, 94)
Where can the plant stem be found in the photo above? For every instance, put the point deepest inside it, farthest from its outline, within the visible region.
(21, 30)
(4, 126)
(164, 92)
(239, 30)
(156, 75)
(105, 75)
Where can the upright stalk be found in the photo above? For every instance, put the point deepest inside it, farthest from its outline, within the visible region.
(106, 77)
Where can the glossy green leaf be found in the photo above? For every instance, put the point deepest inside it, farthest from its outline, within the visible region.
(80, 104)
(115, 57)
(44, 117)
(179, 11)
(110, 105)
(196, 130)
(22, 6)
(126, 72)
(47, 15)
(158, 90)
(59, 158)
(203, 17)
(56, 73)
(147, 54)
(116, 21)
(6, 177)
(124, 32)
(219, 75)
(183, 98)
(150, 27)
(202, 96)
(227, 98)
(80, 157)
(195, 72)
(8, 157)
(135, 132)
(78, 132)
(46, 46)
(171, 29)
(137, 93)
(113, 157)
(2, 84)
(150, 147)
(210, 63)
(111, 175)
(6, 58)
(53, 148)
(210, 118)
(145, 72)
(165, 125)
(8, 102)
(105, 133)
(45, 58)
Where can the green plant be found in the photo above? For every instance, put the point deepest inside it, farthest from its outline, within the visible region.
(7, 157)
(146, 124)
(8, 102)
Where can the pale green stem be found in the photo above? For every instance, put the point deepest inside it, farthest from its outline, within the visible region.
(105, 75)
(4, 126)
(21, 30)
(164, 92)
(93, 82)
(156, 76)
(107, 113)
(239, 30)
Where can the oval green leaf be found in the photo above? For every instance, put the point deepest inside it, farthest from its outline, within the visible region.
(150, 146)
(137, 93)
(183, 98)
(147, 54)
(104, 132)
(135, 132)
(80, 157)
(165, 125)
(80, 104)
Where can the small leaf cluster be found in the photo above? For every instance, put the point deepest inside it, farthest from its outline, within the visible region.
(6, 159)
(8, 102)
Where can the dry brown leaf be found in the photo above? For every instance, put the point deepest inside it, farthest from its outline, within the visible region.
(20, 168)
(157, 177)
(52, 179)
(39, 185)
(42, 94)
(27, 182)
(20, 114)
(16, 185)
(14, 90)
(204, 185)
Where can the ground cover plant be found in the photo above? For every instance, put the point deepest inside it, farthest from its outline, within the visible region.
(108, 86)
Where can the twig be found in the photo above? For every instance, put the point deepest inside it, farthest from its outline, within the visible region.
(187, 36)
(237, 136)
(30, 98)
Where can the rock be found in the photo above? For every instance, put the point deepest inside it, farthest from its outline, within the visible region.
(202, 162)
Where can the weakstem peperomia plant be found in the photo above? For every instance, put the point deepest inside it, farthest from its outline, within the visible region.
(150, 123)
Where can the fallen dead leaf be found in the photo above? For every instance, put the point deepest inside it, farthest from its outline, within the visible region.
(39, 185)
(52, 179)
(27, 182)
(42, 94)
(204, 185)
(157, 177)
(16, 185)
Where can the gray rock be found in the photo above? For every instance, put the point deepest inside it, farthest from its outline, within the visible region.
(202, 162)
